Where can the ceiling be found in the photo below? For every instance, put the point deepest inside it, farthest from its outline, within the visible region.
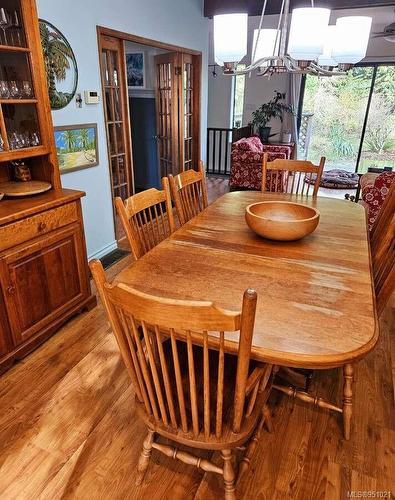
(254, 7)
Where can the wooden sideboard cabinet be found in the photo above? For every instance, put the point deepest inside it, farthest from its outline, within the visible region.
(43, 270)
(44, 277)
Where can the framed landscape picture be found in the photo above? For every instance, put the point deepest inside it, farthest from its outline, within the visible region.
(76, 147)
(135, 69)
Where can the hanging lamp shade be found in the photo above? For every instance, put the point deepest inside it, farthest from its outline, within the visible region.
(267, 44)
(230, 38)
(326, 59)
(352, 38)
(307, 33)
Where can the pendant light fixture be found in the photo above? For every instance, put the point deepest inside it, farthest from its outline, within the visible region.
(351, 40)
(307, 45)
(230, 39)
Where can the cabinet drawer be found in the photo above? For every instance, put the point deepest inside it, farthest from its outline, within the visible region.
(37, 225)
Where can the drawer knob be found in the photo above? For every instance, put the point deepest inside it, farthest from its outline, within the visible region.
(42, 226)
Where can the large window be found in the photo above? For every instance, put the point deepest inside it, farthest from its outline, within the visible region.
(350, 119)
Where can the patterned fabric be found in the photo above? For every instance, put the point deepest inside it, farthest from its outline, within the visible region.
(246, 164)
(374, 193)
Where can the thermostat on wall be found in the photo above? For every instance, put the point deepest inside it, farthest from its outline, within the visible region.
(92, 97)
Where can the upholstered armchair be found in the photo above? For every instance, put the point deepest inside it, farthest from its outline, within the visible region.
(246, 161)
(374, 189)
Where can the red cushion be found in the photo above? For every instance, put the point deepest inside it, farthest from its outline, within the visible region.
(375, 195)
(252, 144)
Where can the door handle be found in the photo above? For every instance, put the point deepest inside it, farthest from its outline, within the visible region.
(11, 289)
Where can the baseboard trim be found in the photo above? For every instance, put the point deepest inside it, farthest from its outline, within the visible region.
(104, 251)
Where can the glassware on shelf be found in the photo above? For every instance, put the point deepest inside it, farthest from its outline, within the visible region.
(5, 23)
(19, 140)
(4, 89)
(15, 89)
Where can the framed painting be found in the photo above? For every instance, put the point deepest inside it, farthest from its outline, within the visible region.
(76, 147)
(135, 69)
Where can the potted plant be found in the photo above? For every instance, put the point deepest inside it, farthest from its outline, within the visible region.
(275, 108)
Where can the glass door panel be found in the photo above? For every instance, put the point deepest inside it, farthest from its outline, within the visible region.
(166, 93)
(11, 24)
(338, 105)
(116, 117)
(15, 76)
(188, 112)
(378, 147)
(22, 126)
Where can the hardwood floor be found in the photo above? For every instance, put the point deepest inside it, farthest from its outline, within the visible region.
(68, 429)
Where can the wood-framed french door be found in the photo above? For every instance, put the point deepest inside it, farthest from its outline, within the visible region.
(178, 111)
(116, 114)
(177, 106)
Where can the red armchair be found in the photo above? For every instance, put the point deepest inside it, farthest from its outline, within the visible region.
(374, 189)
(246, 161)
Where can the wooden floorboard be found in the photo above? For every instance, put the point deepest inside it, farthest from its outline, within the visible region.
(68, 429)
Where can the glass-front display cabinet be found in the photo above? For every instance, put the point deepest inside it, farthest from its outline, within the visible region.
(24, 128)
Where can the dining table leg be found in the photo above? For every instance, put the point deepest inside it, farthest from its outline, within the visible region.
(348, 377)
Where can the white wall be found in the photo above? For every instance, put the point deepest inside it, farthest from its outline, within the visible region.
(178, 22)
(260, 89)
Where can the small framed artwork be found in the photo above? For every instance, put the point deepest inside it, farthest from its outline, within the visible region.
(135, 69)
(76, 147)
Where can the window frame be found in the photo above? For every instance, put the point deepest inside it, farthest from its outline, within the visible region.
(375, 66)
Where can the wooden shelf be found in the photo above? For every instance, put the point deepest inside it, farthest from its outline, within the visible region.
(11, 48)
(18, 101)
(19, 154)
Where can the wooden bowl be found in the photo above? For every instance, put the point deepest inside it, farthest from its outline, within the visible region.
(282, 220)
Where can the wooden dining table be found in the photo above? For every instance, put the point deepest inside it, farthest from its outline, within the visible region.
(316, 306)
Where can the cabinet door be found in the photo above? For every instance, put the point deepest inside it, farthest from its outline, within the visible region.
(43, 279)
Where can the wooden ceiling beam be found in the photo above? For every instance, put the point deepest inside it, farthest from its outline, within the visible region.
(254, 7)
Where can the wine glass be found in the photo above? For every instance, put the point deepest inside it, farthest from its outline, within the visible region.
(35, 139)
(15, 91)
(16, 25)
(4, 89)
(27, 90)
(5, 22)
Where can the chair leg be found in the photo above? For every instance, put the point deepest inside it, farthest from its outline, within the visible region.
(229, 475)
(268, 418)
(348, 376)
(145, 457)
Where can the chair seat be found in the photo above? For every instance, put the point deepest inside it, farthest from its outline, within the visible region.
(227, 438)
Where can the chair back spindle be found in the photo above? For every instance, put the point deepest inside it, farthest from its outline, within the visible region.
(189, 193)
(147, 218)
(175, 354)
(291, 176)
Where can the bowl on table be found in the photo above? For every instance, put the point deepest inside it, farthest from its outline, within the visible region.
(282, 220)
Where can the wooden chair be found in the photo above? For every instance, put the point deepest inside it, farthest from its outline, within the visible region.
(147, 218)
(291, 176)
(187, 388)
(189, 193)
(382, 245)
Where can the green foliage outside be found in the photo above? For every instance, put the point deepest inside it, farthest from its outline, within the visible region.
(339, 105)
